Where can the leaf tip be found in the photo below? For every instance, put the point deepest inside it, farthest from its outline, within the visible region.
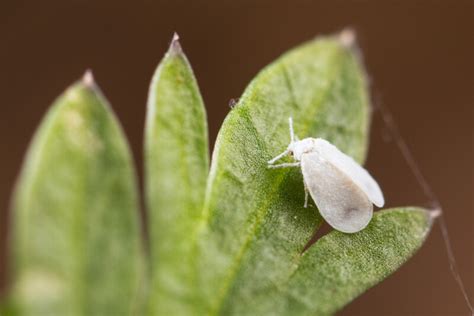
(435, 212)
(88, 79)
(347, 37)
(175, 37)
(175, 46)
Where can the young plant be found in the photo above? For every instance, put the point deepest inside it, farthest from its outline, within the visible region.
(225, 241)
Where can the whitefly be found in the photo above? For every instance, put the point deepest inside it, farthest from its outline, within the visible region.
(343, 191)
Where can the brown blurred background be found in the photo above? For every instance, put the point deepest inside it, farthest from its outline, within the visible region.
(419, 56)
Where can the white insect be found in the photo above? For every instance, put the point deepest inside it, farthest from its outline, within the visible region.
(342, 190)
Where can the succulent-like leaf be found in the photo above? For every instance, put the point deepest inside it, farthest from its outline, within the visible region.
(76, 238)
(177, 163)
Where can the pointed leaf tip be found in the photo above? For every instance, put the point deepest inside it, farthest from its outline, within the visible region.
(175, 46)
(347, 37)
(175, 37)
(88, 78)
(435, 213)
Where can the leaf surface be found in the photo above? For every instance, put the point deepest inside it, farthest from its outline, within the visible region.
(254, 224)
(339, 267)
(76, 238)
(177, 163)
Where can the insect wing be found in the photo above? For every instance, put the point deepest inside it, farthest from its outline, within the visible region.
(352, 169)
(340, 201)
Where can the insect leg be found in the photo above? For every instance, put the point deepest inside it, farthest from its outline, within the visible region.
(272, 161)
(285, 165)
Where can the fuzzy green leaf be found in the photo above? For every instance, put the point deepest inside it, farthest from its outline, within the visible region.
(76, 238)
(176, 160)
(254, 225)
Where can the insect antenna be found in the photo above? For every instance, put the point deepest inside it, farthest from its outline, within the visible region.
(292, 132)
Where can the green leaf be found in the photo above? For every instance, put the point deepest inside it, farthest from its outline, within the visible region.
(76, 238)
(176, 161)
(340, 267)
(254, 225)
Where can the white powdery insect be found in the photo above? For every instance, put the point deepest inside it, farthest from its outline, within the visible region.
(342, 190)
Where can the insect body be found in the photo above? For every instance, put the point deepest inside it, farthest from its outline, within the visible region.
(342, 190)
